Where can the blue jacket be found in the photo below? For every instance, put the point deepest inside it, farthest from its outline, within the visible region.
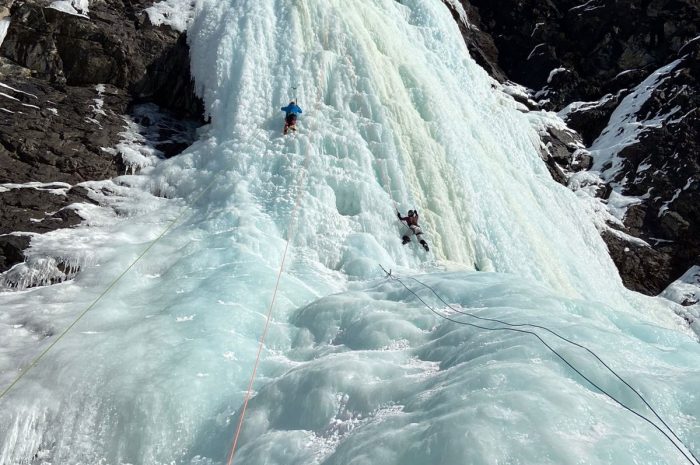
(292, 108)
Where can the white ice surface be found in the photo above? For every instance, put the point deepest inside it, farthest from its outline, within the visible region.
(4, 25)
(686, 291)
(58, 188)
(175, 13)
(355, 370)
(686, 288)
(73, 7)
(624, 126)
(17, 90)
(554, 72)
(459, 8)
(132, 149)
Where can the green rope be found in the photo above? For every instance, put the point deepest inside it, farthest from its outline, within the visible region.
(109, 288)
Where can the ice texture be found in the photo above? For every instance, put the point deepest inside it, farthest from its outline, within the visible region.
(355, 369)
(4, 25)
(174, 13)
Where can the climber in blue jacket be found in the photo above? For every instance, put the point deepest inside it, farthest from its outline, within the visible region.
(290, 119)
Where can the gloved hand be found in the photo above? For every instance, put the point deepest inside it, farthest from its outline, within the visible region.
(398, 215)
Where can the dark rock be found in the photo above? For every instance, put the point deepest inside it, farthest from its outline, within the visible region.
(590, 120)
(170, 149)
(149, 62)
(152, 62)
(480, 44)
(11, 248)
(73, 82)
(673, 224)
(598, 52)
(38, 210)
(581, 160)
(165, 85)
(562, 151)
(664, 167)
(52, 139)
(642, 268)
(594, 41)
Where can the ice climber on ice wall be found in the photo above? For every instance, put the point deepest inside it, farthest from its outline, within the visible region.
(412, 222)
(292, 111)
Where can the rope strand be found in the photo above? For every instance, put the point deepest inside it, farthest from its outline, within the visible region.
(290, 234)
(37, 359)
(249, 392)
(554, 333)
(562, 358)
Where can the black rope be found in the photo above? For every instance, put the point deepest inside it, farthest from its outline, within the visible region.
(554, 333)
(532, 333)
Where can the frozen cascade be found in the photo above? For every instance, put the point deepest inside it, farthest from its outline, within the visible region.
(355, 370)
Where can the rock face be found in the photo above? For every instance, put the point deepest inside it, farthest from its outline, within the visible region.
(626, 68)
(593, 41)
(117, 45)
(57, 134)
(69, 83)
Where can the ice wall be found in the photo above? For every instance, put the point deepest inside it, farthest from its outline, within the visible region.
(395, 110)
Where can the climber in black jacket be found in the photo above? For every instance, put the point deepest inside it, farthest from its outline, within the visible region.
(412, 221)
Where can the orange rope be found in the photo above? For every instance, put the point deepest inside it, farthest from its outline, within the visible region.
(302, 190)
(269, 311)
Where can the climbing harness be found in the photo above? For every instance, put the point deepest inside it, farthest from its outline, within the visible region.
(514, 328)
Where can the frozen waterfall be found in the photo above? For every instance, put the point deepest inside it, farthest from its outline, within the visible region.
(355, 369)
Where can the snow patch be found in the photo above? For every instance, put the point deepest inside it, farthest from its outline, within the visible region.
(536, 28)
(606, 215)
(664, 207)
(553, 73)
(584, 106)
(56, 188)
(177, 14)
(624, 127)
(618, 204)
(588, 6)
(17, 90)
(4, 25)
(625, 72)
(72, 7)
(535, 49)
(97, 108)
(541, 120)
(8, 96)
(686, 291)
(517, 93)
(457, 6)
